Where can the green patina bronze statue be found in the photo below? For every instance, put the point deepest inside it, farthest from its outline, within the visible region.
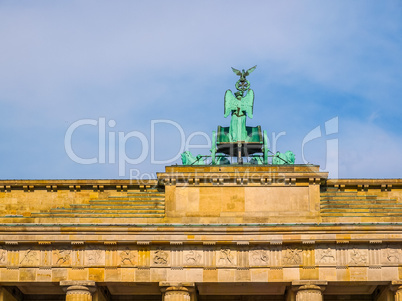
(239, 106)
(284, 158)
(238, 139)
(188, 159)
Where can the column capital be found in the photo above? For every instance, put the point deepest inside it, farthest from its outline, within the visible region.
(78, 285)
(174, 289)
(300, 285)
(309, 290)
(396, 285)
(178, 286)
(185, 284)
(309, 282)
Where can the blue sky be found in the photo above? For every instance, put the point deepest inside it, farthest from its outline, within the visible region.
(135, 62)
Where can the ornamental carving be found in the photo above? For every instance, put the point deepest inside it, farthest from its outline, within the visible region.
(127, 257)
(358, 256)
(292, 256)
(63, 256)
(259, 257)
(226, 257)
(160, 257)
(192, 257)
(94, 256)
(392, 255)
(30, 257)
(3, 256)
(326, 255)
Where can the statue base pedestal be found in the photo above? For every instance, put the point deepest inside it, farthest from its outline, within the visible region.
(243, 193)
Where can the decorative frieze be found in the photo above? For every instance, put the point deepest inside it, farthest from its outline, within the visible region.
(207, 256)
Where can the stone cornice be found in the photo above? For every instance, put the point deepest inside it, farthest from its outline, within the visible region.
(83, 184)
(168, 233)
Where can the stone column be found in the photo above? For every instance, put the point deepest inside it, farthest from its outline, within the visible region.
(396, 287)
(177, 291)
(309, 290)
(398, 294)
(309, 293)
(78, 293)
(78, 290)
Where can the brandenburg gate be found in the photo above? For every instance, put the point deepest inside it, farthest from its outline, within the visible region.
(210, 229)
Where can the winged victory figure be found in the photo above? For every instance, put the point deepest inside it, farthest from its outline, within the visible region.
(239, 106)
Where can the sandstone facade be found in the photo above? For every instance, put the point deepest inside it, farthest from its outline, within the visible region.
(203, 233)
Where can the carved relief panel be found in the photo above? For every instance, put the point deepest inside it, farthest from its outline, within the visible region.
(95, 255)
(292, 255)
(3, 257)
(160, 257)
(259, 257)
(62, 255)
(226, 257)
(127, 256)
(358, 255)
(325, 254)
(193, 256)
(29, 257)
(391, 254)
